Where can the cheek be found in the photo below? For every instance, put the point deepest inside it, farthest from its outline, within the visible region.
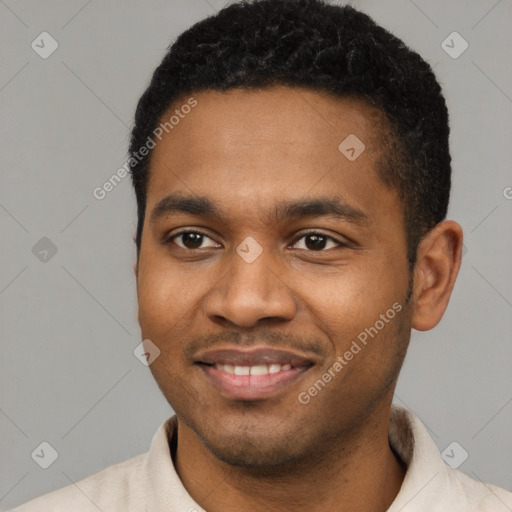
(351, 299)
(163, 296)
(170, 297)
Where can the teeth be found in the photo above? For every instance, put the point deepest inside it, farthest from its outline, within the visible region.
(274, 368)
(242, 370)
(259, 369)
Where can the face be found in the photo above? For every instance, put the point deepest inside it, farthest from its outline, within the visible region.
(272, 273)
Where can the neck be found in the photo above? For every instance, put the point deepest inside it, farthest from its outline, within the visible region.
(358, 472)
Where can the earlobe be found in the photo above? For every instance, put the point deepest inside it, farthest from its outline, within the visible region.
(437, 265)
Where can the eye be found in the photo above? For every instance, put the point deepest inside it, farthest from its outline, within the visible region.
(192, 240)
(314, 241)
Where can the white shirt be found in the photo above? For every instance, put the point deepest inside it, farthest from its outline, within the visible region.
(150, 483)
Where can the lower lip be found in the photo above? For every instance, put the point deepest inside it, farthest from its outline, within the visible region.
(252, 387)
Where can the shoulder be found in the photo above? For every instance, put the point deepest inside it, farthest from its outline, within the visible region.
(431, 484)
(118, 487)
(476, 496)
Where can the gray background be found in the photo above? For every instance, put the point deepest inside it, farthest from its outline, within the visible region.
(69, 327)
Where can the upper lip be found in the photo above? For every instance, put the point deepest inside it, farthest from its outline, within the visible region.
(252, 357)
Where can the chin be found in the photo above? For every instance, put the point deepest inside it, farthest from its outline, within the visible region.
(253, 453)
(250, 436)
(251, 446)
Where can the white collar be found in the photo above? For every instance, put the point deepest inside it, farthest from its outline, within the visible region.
(429, 484)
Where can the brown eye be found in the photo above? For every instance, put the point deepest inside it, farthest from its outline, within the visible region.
(317, 242)
(192, 240)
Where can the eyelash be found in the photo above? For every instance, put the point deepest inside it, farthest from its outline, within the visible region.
(194, 231)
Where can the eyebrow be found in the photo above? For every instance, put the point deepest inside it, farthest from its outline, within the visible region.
(201, 206)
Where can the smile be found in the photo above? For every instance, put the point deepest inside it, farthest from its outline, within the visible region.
(259, 369)
(253, 374)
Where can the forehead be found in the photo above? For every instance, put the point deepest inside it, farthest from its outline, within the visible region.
(274, 117)
(250, 147)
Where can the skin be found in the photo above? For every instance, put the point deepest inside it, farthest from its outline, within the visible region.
(246, 151)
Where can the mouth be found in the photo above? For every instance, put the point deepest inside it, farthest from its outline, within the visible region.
(253, 374)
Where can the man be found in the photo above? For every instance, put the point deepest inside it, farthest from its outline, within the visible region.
(292, 171)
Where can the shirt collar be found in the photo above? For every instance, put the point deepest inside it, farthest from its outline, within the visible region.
(425, 468)
(408, 437)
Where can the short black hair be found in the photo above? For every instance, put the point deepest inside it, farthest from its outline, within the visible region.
(326, 48)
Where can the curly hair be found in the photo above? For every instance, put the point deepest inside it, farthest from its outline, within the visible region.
(333, 49)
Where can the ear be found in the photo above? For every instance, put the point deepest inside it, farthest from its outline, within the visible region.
(437, 265)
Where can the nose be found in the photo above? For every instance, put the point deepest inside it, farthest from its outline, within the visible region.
(249, 293)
